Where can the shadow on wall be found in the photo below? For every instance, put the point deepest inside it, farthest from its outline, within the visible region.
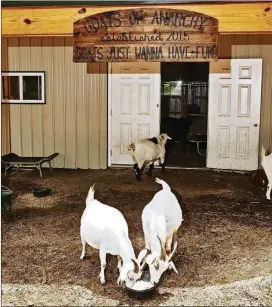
(185, 71)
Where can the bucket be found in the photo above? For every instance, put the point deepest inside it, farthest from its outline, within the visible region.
(5, 198)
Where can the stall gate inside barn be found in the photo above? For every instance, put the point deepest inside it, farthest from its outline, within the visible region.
(184, 107)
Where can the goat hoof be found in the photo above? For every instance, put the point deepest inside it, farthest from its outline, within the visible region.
(82, 257)
(102, 280)
(163, 169)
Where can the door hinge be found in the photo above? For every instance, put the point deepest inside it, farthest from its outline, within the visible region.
(111, 112)
(111, 152)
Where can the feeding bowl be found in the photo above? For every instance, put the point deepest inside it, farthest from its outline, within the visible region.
(41, 191)
(142, 294)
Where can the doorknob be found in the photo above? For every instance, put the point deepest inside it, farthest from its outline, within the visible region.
(255, 125)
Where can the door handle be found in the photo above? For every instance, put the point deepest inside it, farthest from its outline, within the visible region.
(255, 125)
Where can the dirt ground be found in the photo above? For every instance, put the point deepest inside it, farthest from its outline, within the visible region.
(225, 236)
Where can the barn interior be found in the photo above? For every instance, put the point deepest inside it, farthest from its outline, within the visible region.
(184, 108)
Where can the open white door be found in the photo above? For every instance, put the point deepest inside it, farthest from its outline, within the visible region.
(135, 106)
(234, 114)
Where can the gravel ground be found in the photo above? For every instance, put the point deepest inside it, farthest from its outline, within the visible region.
(253, 292)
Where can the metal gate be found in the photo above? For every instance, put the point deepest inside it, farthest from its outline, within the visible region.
(182, 98)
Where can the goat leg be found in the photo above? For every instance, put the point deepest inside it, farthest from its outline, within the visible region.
(137, 172)
(268, 192)
(101, 276)
(163, 168)
(151, 166)
(119, 264)
(162, 163)
(83, 249)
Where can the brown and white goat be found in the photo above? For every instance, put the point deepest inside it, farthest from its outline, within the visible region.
(148, 150)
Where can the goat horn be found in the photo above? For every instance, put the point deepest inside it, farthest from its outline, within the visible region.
(163, 253)
(174, 246)
(136, 266)
(144, 259)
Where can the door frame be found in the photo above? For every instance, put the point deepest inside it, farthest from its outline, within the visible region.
(109, 114)
(109, 121)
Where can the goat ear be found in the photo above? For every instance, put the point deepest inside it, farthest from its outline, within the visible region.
(136, 266)
(168, 137)
(155, 262)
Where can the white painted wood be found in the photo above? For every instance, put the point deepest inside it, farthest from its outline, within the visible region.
(234, 116)
(135, 111)
(109, 113)
(20, 75)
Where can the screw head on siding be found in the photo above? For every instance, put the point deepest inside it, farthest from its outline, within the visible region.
(27, 21)
(82, 11)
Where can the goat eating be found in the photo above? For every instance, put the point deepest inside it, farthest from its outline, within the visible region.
(105, 228)
(145, 151)
(161, 219)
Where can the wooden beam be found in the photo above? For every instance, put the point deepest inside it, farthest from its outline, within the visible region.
(58, 21)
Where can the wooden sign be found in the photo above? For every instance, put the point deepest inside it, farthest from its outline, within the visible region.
(161, 35)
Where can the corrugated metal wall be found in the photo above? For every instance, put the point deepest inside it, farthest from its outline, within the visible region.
(73, 121)
(255, 46)
(5, 109)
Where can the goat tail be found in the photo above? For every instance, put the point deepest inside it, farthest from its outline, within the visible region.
(165, 186)
(90, 196)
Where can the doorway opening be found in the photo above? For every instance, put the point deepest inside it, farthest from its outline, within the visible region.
(184, 110)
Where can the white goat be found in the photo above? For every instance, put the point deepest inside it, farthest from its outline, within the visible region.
(161, 219)
(105, 228)
(266, 163)
(148, 151)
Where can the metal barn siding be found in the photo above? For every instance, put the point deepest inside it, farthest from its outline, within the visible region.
(255, 46)
(73, 121)
(5, 109)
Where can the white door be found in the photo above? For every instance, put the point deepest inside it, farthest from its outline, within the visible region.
(234, 114)
(135, 106)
